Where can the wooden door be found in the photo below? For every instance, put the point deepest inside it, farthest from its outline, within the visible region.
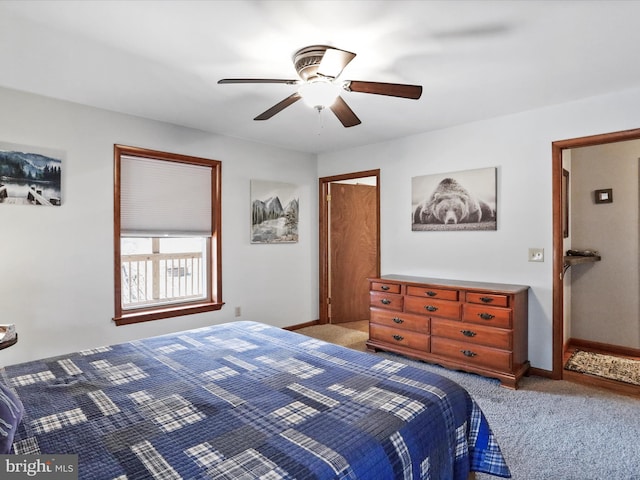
(353, 250)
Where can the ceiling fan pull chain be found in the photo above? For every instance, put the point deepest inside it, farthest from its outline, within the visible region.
(320, 121)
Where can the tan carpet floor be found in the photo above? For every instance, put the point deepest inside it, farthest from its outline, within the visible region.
(353, 338)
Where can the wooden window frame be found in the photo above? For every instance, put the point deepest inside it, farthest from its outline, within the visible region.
(213, 300)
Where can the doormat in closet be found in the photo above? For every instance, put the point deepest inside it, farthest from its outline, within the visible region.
(605, 366)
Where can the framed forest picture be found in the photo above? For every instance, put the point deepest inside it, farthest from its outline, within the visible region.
(30, 175)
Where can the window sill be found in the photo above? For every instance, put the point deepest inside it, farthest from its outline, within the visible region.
(167, 312)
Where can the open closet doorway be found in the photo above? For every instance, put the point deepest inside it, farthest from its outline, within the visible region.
(349, 244)
(562, 311)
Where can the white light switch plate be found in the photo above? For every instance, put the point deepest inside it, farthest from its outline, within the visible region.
(536, 254)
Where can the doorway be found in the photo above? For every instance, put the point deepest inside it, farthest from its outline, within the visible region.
(349, 244)
(559, 227)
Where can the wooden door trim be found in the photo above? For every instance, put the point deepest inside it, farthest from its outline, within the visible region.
(323, 191)
(558, 254)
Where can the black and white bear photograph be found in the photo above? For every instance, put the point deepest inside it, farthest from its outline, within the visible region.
(463, 200)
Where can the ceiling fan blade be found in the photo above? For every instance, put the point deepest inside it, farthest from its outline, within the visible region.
(257, 80)
(278, 107)
(333, 62)
(344, 113)
(390, 89)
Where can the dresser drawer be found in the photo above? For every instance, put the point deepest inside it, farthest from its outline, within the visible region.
(388, 301)
(433, 308)
(397, 336)
(475, 334)
(472, 354)
(490, 316)
(429, 292)
(488, 299)
(385, 287)
(399, 320)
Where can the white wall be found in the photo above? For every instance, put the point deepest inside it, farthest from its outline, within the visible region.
(56, 263)
(520, 147)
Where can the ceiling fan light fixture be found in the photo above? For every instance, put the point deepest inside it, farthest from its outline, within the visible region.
(319, 94)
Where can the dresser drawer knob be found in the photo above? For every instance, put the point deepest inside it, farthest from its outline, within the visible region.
(486, 316)
(385, 301)
(398, 320)
(384, 287)
(468, 333)
(468, 353)
(431, 293)
(486, 299)
(430, 308)
(397, 337)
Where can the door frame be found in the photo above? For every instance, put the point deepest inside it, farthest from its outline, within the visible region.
(558, 254)
(323, 192)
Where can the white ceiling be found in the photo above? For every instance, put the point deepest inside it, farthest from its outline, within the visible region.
(475, 60)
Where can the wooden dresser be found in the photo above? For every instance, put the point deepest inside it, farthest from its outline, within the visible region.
(472, 326)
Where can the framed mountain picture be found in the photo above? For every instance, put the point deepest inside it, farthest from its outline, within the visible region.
(274, 212)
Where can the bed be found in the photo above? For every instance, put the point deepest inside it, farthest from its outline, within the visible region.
(245, 400)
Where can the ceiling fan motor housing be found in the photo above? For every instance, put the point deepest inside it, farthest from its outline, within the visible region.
(307, 59)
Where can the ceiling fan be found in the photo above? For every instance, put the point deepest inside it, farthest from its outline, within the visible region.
(319, 67)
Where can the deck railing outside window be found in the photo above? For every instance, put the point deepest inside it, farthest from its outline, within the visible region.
(152, 279)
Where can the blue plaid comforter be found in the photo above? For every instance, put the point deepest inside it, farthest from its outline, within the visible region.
(245, 400)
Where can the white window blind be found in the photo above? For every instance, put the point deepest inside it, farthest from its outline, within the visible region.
(164, 198)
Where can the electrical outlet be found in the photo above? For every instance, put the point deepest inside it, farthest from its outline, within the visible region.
(536, 254)
(238, 312)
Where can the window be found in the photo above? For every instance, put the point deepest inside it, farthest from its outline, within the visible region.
(166, 235)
